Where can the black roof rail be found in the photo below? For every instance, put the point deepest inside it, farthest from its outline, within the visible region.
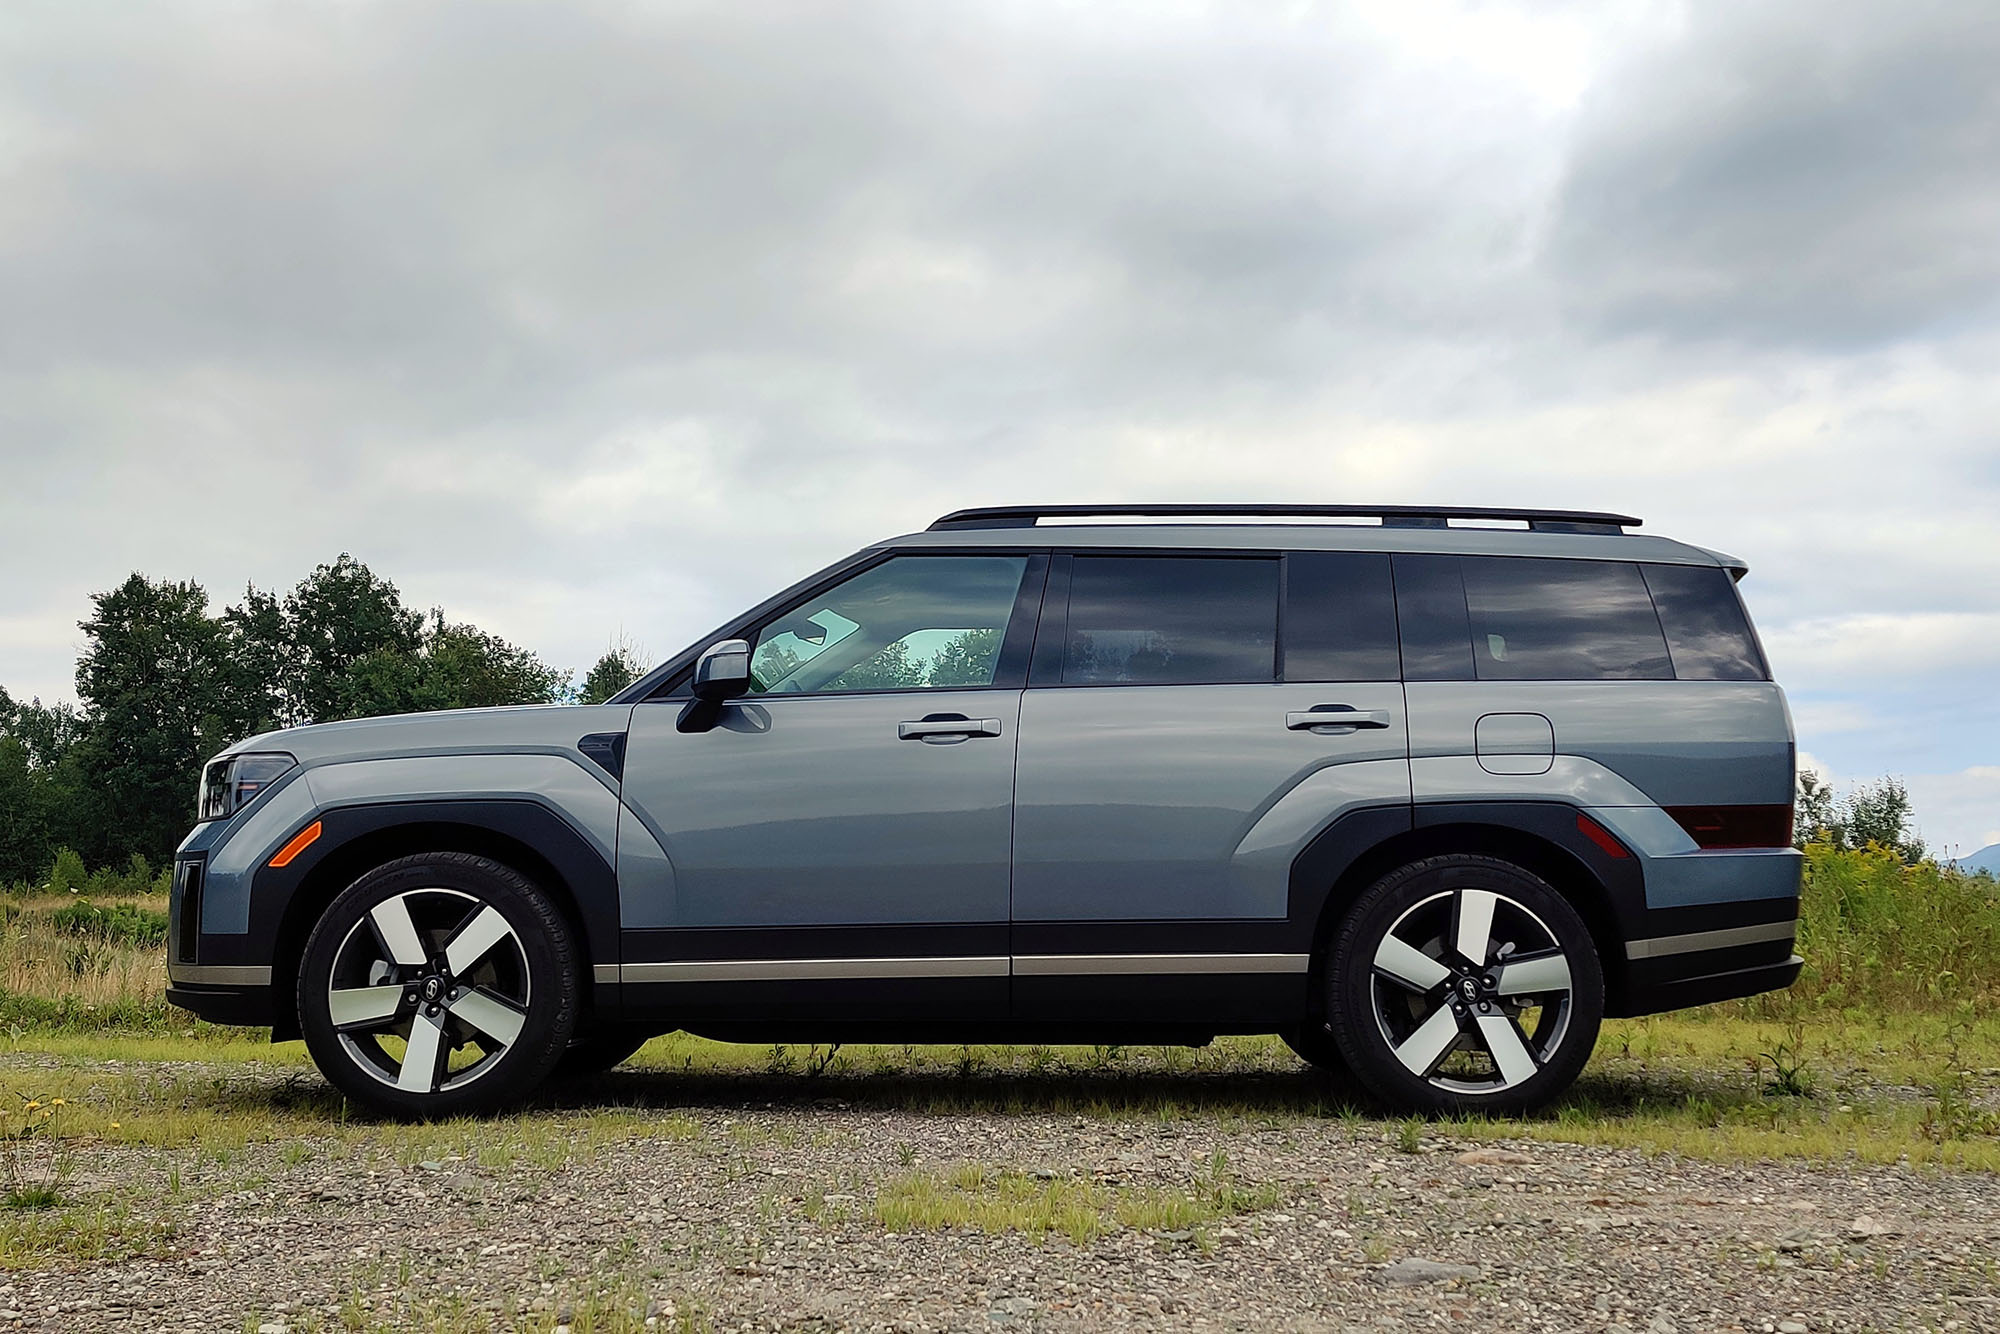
(1392, 516)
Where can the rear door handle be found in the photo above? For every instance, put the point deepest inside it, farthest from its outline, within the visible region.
(1328, 718)
(945, 726)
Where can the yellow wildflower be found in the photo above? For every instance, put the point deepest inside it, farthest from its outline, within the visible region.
(32, 1105)
(58, 1102)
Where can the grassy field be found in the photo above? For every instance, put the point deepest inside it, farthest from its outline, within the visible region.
(1887, 1050)
(121, 1118)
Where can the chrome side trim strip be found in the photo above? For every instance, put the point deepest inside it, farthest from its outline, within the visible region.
(1660, 946)
(1056, 965)
(1030, 965)
(772, 970)
(219, 975)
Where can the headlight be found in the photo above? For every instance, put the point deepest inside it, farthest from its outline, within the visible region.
(233, 782)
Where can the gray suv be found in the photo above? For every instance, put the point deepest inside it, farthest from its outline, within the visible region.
(1427, 791)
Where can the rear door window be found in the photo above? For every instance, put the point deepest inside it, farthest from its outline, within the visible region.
(1708, 633)
(1171, 620)
(1539, 619)
(1340, 617)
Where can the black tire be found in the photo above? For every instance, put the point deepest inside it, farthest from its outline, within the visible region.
(599, 1048)
(408, 935)
(1507, 1035)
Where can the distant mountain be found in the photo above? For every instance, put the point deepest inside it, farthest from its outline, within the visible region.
(1986, 859)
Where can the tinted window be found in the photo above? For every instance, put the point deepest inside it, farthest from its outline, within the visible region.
(910, 623)
(1340, 617)
(1707, 632)
(1430, 604)
(1171, 620)
(1536, 619)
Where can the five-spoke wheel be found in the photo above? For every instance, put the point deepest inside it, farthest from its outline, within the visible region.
(1464, 982)
(438, 984)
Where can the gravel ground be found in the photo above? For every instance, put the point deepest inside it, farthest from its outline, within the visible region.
(761, 1215)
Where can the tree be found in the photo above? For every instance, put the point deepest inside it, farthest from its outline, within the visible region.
(614, 671)
(1878, 813)
(150, 680)
(966, 659)
(891, 669)
(24, 831)
(452, 667)
(304, 650)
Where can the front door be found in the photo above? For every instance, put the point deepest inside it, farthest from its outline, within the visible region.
(837, 841)
(1174, 763)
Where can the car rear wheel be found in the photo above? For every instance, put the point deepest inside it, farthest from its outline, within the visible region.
(1465, 983)
(438, 984)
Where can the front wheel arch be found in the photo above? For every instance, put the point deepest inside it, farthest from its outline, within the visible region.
(416, 829)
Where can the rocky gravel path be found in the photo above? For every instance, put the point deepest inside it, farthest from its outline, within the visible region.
(766, 1216)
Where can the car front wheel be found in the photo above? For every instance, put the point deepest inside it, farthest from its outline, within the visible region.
(438, 984)
(1465, 983)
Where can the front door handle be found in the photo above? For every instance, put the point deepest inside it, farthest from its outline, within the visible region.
(947, 726)
(1328, 719)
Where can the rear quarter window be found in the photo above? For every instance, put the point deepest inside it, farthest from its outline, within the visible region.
(1708, 633)
(1540, 619)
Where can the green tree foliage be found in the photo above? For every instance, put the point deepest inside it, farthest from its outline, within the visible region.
(148, 680)
(451, 667)
(24, 831)
(966, 660)
(1877, 813)
(614, 671)
(891, 669)
(164, 684)
(963, 660)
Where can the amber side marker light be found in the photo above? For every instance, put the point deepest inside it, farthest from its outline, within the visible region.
(302, 840)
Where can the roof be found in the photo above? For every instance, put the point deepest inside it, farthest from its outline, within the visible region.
(1446, 530)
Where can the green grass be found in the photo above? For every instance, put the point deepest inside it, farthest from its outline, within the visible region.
(125, 923)
(991, 1200)
(1882, 1089)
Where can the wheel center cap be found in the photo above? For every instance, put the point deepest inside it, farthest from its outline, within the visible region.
(1469, 986)
(433, 988)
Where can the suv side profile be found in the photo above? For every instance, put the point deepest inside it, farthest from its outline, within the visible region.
(1428, 791)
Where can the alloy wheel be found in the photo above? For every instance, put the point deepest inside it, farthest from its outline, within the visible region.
(1472, 991)
(428, 990)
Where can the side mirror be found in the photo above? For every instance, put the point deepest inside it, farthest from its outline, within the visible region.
(722, 671)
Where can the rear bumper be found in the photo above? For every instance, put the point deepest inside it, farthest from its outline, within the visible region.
(1706, 988)
(1720, 962)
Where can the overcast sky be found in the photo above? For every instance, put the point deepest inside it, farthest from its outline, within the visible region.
(602, 319)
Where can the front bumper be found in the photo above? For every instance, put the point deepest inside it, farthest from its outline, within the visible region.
(253, 1005)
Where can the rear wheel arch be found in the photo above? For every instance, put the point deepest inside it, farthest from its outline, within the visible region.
(383, 842)
(1564, 871)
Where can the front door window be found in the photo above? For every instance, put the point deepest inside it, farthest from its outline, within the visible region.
(910, 623)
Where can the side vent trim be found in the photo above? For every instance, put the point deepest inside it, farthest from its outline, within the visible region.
(606, 750)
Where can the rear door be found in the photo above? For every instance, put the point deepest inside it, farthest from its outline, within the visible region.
(1173, 762)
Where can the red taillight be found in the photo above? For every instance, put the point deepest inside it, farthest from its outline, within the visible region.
(1601, 836)
(1736, 826)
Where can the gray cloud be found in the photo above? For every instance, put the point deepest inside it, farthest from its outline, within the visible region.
(1811, 174)
(598, 316)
